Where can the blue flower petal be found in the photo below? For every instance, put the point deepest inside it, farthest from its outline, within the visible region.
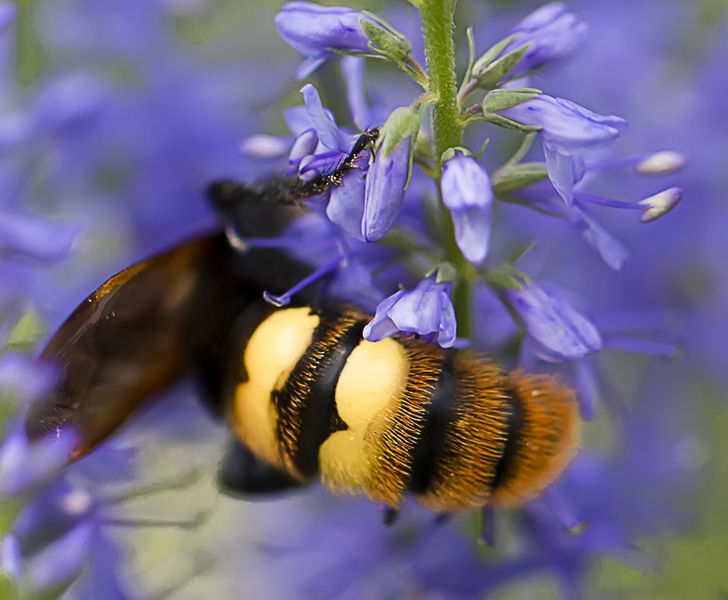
(304, 145)
(328, 132)
(467, 193)
(308, 66)
(612, 251)
(36, 237)
(425, 310)
(567, 130)
(346, 204)
(24, 465)
(25, 377)
(384, 192)
(559, 331)
(11, 558)
(552, 32)
(62, 560)
(564, 171)
(472, 233)
(382, 326)
(352, 68)
(316, 30)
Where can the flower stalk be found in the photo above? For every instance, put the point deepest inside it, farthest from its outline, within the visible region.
(447, 125)
(438, 30)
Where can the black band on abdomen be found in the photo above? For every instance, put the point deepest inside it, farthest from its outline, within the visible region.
(514, 418)
(306, 404)
(430, 444)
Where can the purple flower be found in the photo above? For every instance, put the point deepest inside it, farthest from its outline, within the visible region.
(25, 465)
(352, 70)
(11, 559)
(318, 31)
(552, 32)
(58, 535)
(323, 122)
(568, 131)
(558, 331)
(25, 378)
(346, 204)
(304, 145)
(36, 237)
(425, 310)
(467, 193)
(384, 191)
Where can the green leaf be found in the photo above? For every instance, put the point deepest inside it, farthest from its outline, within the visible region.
(506, 277)
(446, 273)
(495, 72)
(497, 100)
(507, 123)
(491, 54)
(516, 177)
(387, 42)
(402, 123)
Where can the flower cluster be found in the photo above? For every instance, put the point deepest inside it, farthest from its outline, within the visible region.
(436, 229)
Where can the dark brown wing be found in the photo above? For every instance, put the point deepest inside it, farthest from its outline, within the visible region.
(136, 334)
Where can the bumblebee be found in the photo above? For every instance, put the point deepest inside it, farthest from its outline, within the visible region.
(305, 397)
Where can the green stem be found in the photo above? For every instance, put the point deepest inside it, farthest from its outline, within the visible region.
(447, 127)
(438, 30)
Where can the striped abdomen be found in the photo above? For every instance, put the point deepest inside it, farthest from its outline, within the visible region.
(395, 417)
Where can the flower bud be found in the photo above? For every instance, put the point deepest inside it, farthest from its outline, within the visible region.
(558, 330)
(384, 191)
(551, 32)
(468, 195)
(63, 560)
(389, 173)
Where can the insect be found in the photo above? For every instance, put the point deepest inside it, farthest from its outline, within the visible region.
(305, 397)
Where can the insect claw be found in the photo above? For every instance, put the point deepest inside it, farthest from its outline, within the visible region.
(390, 516)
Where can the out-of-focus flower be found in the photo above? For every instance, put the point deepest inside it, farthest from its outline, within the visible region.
(559, 331)
(542, 195)
(58, 535)
(425, 310)
(36, 237)
(568, 131)
(318, 32)
(24, 466)
(468, 195)
(551, 32)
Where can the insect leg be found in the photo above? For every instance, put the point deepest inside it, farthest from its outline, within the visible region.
(243, 474)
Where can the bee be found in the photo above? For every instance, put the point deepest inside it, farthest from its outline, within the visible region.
(304, 396)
